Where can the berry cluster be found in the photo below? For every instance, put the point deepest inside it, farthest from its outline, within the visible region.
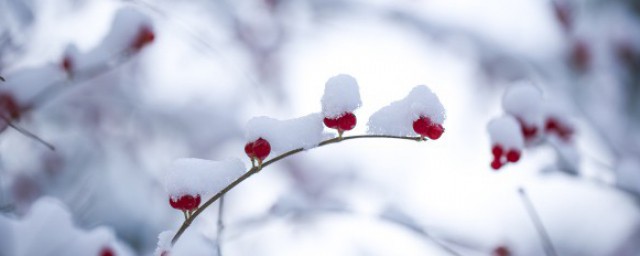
(426, 128)
(185, 203)
(502, 156)
(561, 129)
(257, 150)
(345, 122)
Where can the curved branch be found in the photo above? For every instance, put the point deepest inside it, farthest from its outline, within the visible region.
(256, 169)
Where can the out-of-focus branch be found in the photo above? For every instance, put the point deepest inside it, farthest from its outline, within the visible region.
(542, 232)
(27, 133)
(256, 169)
(220, 225)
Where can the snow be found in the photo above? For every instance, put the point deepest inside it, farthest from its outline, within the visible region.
(524, 101)
(191, 176)
(628, 174)
(285, 135)
(341, 95)
(505, 131)
(164, 242)
(397, 118)
(26, 83)
(191, 243)
(48, 230)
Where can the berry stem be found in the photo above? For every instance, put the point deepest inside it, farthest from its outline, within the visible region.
(544, 236)
(186, 216)
(261, 165)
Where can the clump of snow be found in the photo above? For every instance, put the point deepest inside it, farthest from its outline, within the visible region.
(397, 118)
(524, 101)
(191, 176)
(191, 243)
(125, 28)
(505, 131)
(48, 230)
(284, 135)
(341, 95)
(164, 242)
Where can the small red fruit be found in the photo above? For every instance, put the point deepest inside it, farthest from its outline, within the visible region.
(331, 122)
(67, 64)
(497, 150)
(347, 122)
(513, 155)
(145, 36)
(421, 126)
(261, 148)
(435, 131)
(501, 251)
(107, 251)
(563, 131)
(9, 106)
(185, 202)
(496, 164)
(249, 150)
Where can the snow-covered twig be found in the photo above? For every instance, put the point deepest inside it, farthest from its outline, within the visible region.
(542, 232)
(256, 169)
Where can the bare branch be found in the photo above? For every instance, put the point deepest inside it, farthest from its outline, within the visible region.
(27, 133)
(544, 236)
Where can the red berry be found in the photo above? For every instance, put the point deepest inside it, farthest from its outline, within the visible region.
(9, 106)
(164, 253)
(185, 202)
(497, 150)
(529, 132)
(347, 122)
(261, 148)
(249, 150)
(555, 126)
(496, 164)
(331, 122)
(513, 155)
(501, 251)
(421, 126)
(435, 131)
(107, 251)
(580, 55)
(67, 64)
(145, 36)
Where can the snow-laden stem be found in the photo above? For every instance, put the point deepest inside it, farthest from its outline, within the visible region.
(255, 170)
(542, 232)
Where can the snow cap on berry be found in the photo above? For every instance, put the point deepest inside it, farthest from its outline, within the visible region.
(398, 117)
(285, 135)
(341, 95)
(505, 131)
(524, 101)
(192, 176)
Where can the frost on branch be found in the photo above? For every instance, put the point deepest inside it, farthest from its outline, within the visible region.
(48, 230)
(506, 140)
(421, 106)
(524, 101)
(191, 176)
(341, 96)
(285, 135)
(191, 244)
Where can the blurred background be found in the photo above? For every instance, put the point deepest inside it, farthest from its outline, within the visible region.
(118, 120)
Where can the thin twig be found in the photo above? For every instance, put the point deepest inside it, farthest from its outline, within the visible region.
(27, 133)
(255, 170)
(544, 236)
(220, 224)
